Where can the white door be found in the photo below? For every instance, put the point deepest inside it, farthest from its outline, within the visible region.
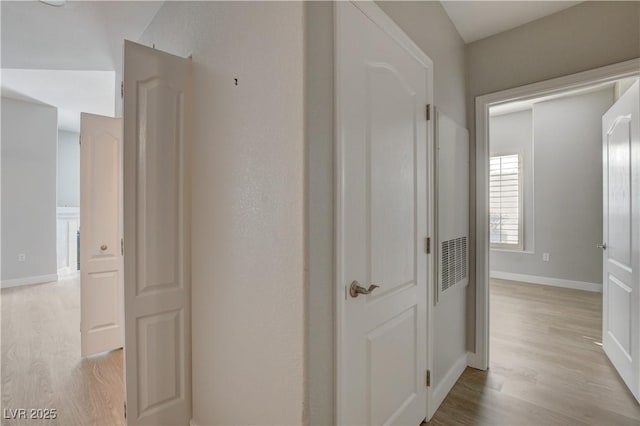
(157, 97)
(101, 311)
(621, 254)
(382, 220)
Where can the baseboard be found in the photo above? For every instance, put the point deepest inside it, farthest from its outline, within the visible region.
(68, 270)
(474, 360)
(443, 388)
(29, 280)
(554, 282)
(68, 275)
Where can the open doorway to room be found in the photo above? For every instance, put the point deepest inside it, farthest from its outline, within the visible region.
(44, 305)
(554, 191)
(62, 71)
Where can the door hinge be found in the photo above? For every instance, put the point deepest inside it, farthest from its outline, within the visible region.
(428, 112)
(122, 90)
(428, 378)
(122, 246)
(427, 245)
(80, 140)
(125, 409)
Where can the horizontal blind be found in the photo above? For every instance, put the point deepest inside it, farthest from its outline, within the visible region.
(504, 200)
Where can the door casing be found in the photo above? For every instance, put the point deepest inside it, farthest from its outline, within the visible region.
(480, 357)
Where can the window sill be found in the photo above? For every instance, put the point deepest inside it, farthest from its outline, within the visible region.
(516, 250)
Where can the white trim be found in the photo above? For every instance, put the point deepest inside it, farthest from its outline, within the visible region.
(550, 281)
(38, 279)
(68, 212)
(388, 25)
(63, 272)
(501, 250)
(574, 81)
(474, 361)
(68, 275)
(380, 18)
(442, 389)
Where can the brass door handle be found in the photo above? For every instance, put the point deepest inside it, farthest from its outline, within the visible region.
(103, 247)
(355, 289)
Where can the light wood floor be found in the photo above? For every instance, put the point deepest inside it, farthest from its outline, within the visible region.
(547, 366)
(41, 363)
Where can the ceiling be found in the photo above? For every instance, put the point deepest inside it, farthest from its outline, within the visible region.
(476, 20)
(71, 92)
(67, 56)
(81, 35)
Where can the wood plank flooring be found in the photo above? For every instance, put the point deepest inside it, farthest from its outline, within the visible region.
(41, 363)
(547, 365)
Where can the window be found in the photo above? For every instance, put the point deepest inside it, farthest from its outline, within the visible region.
(505, 202)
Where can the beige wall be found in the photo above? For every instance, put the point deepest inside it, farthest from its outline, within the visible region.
(248, 206)
(583, 37)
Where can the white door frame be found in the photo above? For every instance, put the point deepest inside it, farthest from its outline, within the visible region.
(631, 68)
(373, 12)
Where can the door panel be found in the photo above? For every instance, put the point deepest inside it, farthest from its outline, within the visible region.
(157, 237)
(392, 367)
(160, 331)
(100, 256)
(392, 174)
(158, 186)
(621, 257)
(382, 192)
(619, 174)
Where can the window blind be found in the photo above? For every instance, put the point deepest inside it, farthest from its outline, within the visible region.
(504, 201)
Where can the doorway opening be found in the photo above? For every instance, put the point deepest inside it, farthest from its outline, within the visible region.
(540, 221)
(49, 317)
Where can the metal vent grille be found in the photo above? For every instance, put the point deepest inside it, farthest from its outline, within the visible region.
(453, 265)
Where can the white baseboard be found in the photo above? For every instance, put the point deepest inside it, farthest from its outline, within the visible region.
(29, 280)
(70, 275)
(554, 282)
(474, 360)
(67, 270)
(443, 388)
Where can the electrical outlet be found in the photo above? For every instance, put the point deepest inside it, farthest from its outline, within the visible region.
(22, 257)
(545, 257)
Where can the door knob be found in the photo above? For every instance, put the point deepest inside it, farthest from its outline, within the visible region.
(355, 289)
(602, 246)
(103, 247)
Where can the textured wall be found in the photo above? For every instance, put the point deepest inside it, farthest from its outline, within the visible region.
(248, 206)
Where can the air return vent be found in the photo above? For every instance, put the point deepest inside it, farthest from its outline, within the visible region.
(452, 205)
(453, 266)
